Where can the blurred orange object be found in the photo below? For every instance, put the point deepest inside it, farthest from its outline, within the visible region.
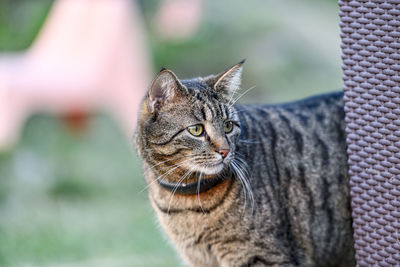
(90, 55)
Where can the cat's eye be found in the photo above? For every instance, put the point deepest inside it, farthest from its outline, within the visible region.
(228, 126)
(196, 130)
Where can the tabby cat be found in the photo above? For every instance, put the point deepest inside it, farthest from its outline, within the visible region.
(246, 185)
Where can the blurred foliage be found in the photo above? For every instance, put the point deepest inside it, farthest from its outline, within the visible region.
(292, 47)
(69, 199)
(20, 21)
(72, 198)
(71, 187)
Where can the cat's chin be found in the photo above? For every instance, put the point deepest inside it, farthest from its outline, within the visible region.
(211, 170)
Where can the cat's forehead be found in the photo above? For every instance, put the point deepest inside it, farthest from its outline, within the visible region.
(196, 84)
(201, 91)
(201, 103)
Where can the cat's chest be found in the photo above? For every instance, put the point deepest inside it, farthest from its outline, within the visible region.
(192, 228)
(196, 236)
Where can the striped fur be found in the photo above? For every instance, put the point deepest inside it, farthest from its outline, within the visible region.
(284, 200)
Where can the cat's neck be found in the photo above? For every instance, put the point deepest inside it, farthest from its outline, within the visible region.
(205, 199)
(196, 185)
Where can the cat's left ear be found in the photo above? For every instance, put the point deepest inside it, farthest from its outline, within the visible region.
(229, 80)
(165, 88)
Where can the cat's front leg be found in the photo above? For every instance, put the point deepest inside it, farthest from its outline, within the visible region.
(256, 261)
(247, 256)
(199, 256)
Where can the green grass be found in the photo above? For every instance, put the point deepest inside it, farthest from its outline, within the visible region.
(74, 199)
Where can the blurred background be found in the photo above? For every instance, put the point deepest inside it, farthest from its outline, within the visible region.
(71, 186)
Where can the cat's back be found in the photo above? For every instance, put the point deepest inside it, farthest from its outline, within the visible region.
(296, 127)
(315, 111)
(297, 156)
(307, 132)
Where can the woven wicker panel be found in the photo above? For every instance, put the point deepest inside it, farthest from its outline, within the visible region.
(371, 72)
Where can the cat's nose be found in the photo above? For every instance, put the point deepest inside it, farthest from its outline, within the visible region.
(224, 152)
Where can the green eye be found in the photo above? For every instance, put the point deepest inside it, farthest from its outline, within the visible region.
(228, 126)
(196, 130)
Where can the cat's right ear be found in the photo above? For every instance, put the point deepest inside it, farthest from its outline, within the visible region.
(227, 82)
(164, 87)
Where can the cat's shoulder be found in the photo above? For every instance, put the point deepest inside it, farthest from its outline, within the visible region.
(308, 103)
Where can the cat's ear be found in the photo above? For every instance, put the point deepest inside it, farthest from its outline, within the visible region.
(228, 81)
(165, 87)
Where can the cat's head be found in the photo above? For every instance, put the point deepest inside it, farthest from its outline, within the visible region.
(189, 126)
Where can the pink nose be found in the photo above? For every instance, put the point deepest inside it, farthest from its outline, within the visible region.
(223, 152)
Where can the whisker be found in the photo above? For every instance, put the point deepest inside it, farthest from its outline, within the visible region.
(241, 95)
(177, 185)
(166, 173)
(237, 111)
(236, 170)
(159, 163)
(232, 95)
(246, 173)
(240, 154)
(198, 191)
(173, 165)
(241, 169)
(248, 141)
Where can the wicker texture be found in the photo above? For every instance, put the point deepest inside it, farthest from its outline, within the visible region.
(371, 73)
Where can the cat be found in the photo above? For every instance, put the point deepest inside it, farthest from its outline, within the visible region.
(246, 185)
